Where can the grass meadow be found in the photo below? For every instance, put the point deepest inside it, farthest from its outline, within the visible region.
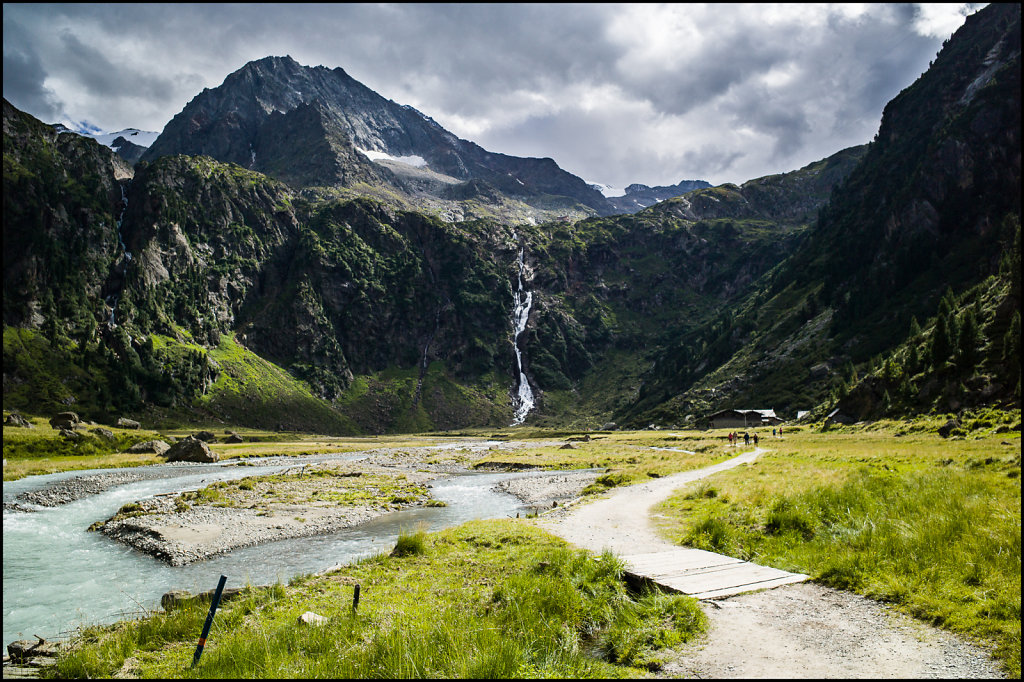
(892, 511)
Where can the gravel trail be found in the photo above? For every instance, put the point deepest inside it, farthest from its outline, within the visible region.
(794, 631)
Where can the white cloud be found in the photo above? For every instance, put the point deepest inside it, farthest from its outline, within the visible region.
(940, 20)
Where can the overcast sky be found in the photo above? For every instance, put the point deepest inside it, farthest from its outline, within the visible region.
(614, 93)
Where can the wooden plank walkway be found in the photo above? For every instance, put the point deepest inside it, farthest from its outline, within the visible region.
(705, 575)
(620, 521)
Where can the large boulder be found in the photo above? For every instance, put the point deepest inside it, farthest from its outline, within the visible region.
(105, 434)
(15, 419)
(191, 450)
(149, 446)
(234, 438)
(206, 436)
(125, 423)
(65, 420)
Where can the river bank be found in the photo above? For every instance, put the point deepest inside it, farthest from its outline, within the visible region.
(319, 499)
(310, 499)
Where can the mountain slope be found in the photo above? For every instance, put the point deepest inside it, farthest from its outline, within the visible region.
(639, 197)
(931, 206)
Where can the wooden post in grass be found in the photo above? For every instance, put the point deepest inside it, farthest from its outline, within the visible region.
(209, 620)
(355, 600)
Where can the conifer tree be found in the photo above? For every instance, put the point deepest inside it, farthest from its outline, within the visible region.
(1011, 350)
(942, 343)
(968, 341)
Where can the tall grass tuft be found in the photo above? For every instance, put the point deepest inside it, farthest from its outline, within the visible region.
(410, 543)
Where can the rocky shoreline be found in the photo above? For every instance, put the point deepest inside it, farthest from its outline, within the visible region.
(546, 491)
(77, 488)
(181, 538)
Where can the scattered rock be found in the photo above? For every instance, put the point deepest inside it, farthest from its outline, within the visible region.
(948, 427)
(206, 436)
(125, 423)
(176, 598)
(568, 446)
(65, 420)
(234, 438)
(15, 419)
(72, 435)
(191, 450)
(22, 650)
(609, 426)
(105, 434)
(310, 618)
(150, 446)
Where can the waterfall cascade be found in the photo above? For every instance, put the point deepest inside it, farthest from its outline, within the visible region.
(113, 298)
(520, 314)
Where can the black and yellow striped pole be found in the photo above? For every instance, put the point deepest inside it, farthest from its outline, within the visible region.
(209, 620)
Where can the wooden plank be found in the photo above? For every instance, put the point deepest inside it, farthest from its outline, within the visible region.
(694, 571)
(677, 561)
(682, 553)
(740, 589)
(739, 575)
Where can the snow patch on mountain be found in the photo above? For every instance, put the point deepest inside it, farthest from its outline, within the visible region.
(417, 161)
(607, 190)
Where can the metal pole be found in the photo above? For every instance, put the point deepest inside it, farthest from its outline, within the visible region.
(209, 620)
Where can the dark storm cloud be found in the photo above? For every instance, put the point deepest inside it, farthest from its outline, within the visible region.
(106, 78)
(24, 77)
(616, 93)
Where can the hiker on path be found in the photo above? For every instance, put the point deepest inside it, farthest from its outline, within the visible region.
(746, 439)
(755, 440)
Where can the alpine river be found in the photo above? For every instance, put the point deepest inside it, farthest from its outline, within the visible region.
(58, 576)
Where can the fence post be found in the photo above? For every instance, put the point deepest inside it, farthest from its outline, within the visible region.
(355, 600)
(209, 620)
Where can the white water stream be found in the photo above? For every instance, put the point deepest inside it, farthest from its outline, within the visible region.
(113, 298)
(520, 315)
(58, 576)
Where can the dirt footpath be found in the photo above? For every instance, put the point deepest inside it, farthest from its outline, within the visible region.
(795, 631)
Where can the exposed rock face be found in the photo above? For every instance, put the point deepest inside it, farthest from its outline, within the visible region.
(303, 125)
(158, 447)
(191, 450)
(127, 150)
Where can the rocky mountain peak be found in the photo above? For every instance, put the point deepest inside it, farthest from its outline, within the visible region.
(232, 123)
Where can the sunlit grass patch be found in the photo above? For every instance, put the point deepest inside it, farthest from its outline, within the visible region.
(43, 450)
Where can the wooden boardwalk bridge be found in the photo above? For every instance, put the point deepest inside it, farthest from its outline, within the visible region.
(705, 575)
(621, 522)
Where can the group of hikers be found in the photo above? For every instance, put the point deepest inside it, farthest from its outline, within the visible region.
(734, 438)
